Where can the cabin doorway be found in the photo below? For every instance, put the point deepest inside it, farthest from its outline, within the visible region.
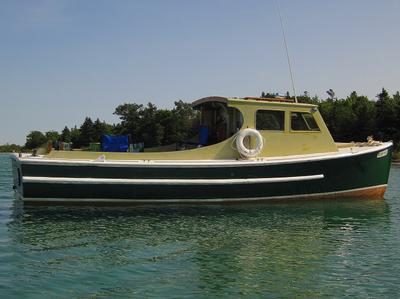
(218, 122)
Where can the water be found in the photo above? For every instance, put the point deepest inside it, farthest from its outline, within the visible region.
(341, 248)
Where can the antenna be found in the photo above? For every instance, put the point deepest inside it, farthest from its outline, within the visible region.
(287, 51)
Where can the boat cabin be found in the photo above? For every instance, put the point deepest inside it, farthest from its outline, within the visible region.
(286, 128)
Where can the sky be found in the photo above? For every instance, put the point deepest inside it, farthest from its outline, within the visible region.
(61, 61)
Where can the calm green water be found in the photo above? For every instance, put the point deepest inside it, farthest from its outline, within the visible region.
(342, 248)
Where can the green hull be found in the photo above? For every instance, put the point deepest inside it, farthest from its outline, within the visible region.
(363, 174)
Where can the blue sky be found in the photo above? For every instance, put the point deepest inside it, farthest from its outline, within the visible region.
(63, 60)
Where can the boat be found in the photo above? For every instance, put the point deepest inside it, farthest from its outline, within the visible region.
(248, 149)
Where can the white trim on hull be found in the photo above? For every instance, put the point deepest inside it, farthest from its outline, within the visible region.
(193, 201)
(67, 180)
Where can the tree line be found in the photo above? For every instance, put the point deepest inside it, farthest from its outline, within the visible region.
(147, 124)
(353, 118)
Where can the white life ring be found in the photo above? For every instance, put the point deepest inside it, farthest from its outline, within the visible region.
(248, 152)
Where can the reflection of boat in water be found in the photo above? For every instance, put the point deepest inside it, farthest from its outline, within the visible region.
(133, 222)
(250, 149)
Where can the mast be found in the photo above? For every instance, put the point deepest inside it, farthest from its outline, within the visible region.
(287, 51)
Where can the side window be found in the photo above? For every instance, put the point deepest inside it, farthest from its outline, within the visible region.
(270, 120)
(302, 121)
(312, 124)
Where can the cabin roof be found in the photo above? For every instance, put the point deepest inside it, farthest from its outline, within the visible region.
(210, 99)
(250, 100)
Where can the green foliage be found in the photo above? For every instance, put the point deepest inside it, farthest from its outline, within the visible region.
(388, 116)
(87, 132)
(129, 115)
(269, 95)
(350, 119)
(151, 132)
(155, 126)
(65, 135)
(75, 136)
(35, 139)
(185, 121)
(100, 128)
(53, 136)
(364, 117)
(10, 148)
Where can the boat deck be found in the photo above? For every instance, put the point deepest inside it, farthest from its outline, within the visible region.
(343, 151)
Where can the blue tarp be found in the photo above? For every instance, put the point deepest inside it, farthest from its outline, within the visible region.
(110, 143)
(203, 135)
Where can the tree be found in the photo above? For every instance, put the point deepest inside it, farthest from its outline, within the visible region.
(52, 136)
(331, 93)
(268, 95)
(167, 120)
(155, 126)
(344, 125)
(65, 135)
(187, 119)
(35, 139)
(152, 131)
(10, 148)
(364, 114)
(75, 136)
(383, 96)
(396, 97)
(129, 115)
(86, 132)
(396, 137)
(386, 116)
(350, 119)
(100, 128)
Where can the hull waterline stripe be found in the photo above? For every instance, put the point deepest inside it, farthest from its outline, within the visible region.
(203, 200)
(65, 180)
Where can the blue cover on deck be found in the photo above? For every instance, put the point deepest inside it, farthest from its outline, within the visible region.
(110, 143)
(203, 135)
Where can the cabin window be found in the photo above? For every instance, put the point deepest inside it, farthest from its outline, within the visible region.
(302, 121)
(270, 120)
